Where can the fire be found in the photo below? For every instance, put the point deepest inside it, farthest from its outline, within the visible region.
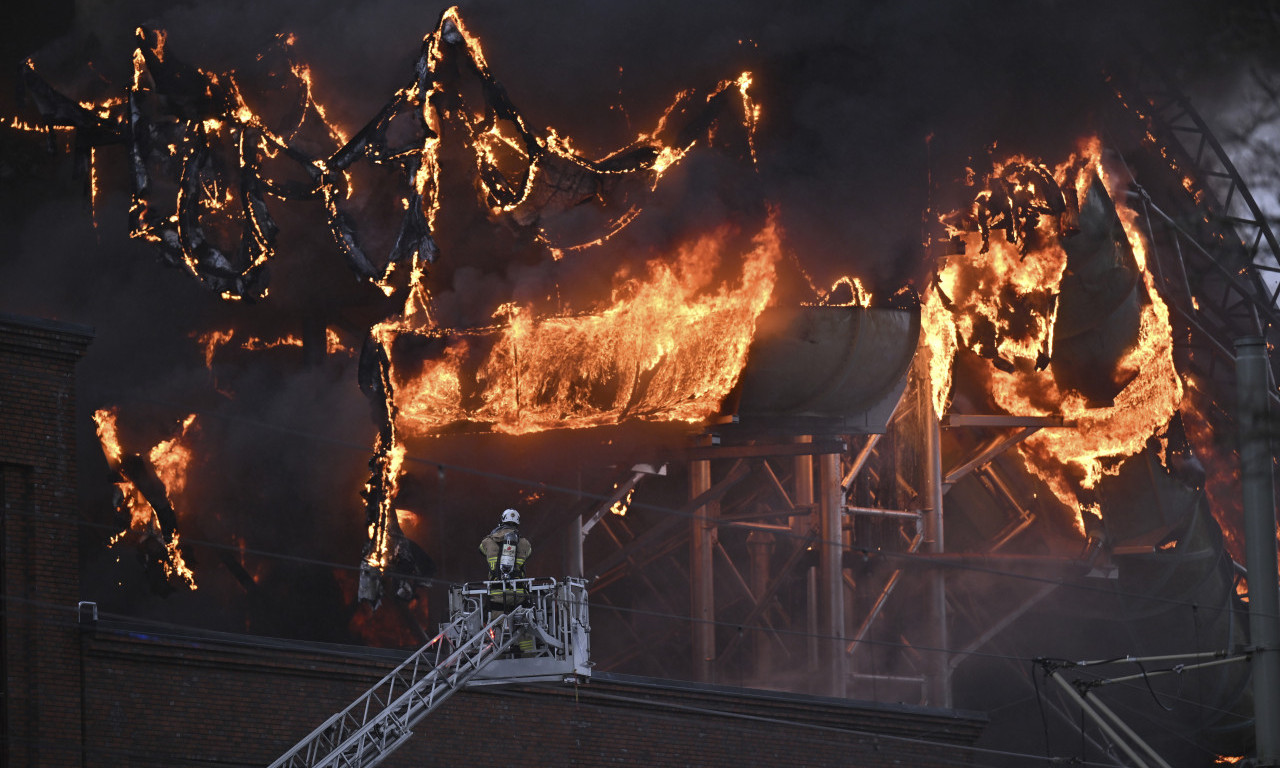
(381, 530)
(172, 457)
(212, 341)
(669, 347)
(169, 460)
(670, 344)
(621, 506)
(140, 514)
(859, 296)
(1002, 305)
(1222, 466)
(1004, 299)
(940, 340)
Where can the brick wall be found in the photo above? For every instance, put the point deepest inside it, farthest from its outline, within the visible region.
(155, 700)
(39, 703)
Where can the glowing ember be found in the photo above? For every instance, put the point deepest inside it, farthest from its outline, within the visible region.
(1221, 460)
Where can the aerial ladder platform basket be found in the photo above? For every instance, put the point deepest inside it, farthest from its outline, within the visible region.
(545, 619)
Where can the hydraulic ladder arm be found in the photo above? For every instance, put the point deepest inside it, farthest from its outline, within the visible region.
(378, 722)
(552, 619)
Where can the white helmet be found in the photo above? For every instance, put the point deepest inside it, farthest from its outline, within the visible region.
(511, 516)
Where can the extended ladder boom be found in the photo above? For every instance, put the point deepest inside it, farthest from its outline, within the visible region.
(548, 618)
(379, 721)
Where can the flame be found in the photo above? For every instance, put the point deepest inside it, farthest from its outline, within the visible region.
(1221, 461)
(170, 460)
(669, 347)
(859, 296)
(621, 506)
(1013, 288)
(212, 341)
(380, 530)
(107, 435)
(255, 343)
(939, 338)
(172, 457)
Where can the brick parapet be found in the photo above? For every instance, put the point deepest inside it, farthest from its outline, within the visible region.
(157, 700)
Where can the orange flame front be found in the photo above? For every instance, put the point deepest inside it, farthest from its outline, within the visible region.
(668, 348)
(1014, 291)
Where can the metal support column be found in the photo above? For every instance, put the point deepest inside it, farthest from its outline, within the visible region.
(802, 495)
(802, 489)
(831, 574)
(573, 555)
(938, 672)
(760, 544)
(1258, 490)
(702, 539)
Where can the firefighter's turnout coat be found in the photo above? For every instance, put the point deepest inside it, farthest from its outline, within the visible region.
(491, 547)
(505, 596)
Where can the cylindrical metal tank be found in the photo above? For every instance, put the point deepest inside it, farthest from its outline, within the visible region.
(828, 370)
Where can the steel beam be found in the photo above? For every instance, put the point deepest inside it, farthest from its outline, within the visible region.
(702, 540)
(702, 452)
(1258, 489)
(1003, 420)
(939, 671)
(831, 574)
(988, 453)
(859, 461)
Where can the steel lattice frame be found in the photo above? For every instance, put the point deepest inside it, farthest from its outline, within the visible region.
(1214, 252)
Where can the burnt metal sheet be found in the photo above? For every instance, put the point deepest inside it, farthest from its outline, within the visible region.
(1100, 303)
(833, 370)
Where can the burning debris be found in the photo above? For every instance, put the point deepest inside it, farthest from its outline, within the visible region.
(204, 163)
(145, 489)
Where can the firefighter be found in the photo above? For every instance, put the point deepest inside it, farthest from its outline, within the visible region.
(505, 551)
